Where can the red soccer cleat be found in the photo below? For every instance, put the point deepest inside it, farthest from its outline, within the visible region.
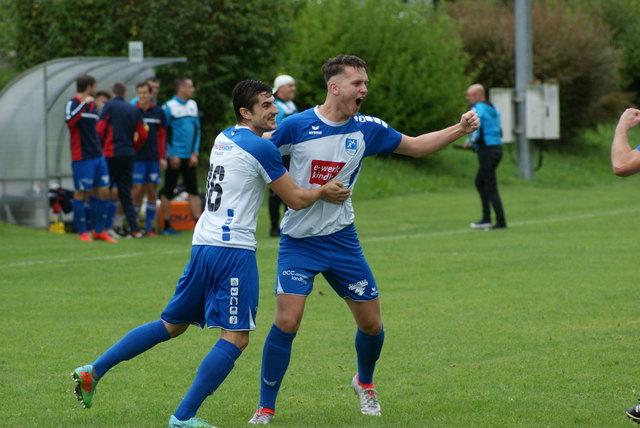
(104, 236)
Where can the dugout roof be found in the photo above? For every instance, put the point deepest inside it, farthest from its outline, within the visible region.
(34, 139)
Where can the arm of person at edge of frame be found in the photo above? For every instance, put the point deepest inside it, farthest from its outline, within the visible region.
(297, 197)
(431, 142)
(625, 161)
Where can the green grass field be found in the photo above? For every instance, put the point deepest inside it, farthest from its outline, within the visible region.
(534, 326)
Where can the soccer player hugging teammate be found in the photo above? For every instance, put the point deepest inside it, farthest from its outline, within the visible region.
(219, 286)
(329, 142)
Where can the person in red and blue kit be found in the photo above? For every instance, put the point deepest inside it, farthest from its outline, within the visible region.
(87, 161)
(122, 133)
(150, 158)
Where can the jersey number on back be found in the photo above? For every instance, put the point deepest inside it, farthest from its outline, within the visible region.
(214, 189)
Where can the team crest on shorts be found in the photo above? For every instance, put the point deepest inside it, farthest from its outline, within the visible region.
(351, 146)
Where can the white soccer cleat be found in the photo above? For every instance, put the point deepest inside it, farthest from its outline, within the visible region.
(262, 416)
(369, 404)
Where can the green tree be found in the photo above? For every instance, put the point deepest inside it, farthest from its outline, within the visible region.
(413, 53)
(569, 45)
(225, 41)
(623, 16)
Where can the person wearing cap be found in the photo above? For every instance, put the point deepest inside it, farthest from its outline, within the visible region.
(284, 90)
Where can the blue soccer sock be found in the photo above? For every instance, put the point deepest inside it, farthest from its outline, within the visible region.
(212, 372)
(368, 350)
(89, 215)
(150, 216)
(275, 361)
(134, 343)
(102, 206)
(111, 212)
(79, 215)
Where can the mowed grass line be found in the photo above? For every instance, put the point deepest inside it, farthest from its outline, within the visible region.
(532, 326)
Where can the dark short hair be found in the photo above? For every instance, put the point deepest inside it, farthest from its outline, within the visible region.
(152, 79)
(84, 81)
(119, 89)
(245, 94)
(336, 65)
(145, 83)
(179, 82)
(105, 94)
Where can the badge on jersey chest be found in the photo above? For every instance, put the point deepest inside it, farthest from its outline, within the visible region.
(323, 171)
(351, 146)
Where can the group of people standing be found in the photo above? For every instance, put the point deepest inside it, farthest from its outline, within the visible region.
(118, 150)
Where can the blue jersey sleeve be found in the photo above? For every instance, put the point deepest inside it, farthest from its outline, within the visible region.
(196, 145)
(270, 159)
(262, 150)
(379, 136)
(282, 137)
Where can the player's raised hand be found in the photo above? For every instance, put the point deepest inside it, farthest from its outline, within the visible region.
(469, 122)
(629, 119)
(334, 192)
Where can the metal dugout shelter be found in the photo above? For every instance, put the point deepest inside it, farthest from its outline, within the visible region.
(34, 140)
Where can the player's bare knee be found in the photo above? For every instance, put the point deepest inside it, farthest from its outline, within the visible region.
(288, 324)
(238, 338)
(175, 330)
(372, 328)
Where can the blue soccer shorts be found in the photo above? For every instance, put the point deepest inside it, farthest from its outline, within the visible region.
(90, 173)
(219, 288)
(146, 172)
(338, 257)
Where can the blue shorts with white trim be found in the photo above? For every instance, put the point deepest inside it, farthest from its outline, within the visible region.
(146, 172)
(338, 257)
(219, 288)
(90, 173)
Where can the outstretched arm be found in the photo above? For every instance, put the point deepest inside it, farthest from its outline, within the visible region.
(297, 197)
(426, 144)
(624, 160)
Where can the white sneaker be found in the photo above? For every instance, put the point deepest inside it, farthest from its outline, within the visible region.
(481, 225)
(112, 233)
(369, 404)
(262, 416)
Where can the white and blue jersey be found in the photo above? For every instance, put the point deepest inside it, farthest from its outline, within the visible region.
(285, 109)
(219, 286)
(322, 238)
(183, 127)
(322, 150)
(241, 165)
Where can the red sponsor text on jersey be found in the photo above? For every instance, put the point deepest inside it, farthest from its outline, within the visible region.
(324, 171)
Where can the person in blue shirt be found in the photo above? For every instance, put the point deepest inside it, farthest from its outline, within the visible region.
(487, 142)
(284, 90)
(183, 144)
(329, 142)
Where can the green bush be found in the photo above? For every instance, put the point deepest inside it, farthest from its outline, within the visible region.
(623, 16)
(413, 53)
(570, 46)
